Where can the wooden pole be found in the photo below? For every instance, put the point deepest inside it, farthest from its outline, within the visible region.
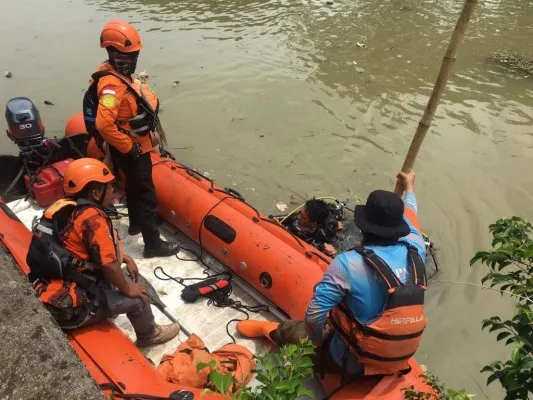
(438, 89)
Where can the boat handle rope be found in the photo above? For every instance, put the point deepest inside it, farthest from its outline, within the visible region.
(190, 171)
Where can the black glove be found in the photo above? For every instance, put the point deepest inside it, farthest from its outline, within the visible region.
(135, 152)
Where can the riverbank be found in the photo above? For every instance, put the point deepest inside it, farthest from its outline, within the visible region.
(36, 360)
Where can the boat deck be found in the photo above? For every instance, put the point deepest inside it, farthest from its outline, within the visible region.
(207, 321)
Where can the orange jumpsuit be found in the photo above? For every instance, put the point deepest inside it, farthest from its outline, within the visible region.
(116, 102)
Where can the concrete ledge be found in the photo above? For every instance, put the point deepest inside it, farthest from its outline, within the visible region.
(36, 360)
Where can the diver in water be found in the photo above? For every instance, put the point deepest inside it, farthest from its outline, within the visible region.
(317, 223)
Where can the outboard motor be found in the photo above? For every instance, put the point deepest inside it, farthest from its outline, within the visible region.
(25, 128)
(42, 161)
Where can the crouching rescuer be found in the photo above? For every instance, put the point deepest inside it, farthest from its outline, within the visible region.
(75, 259)
(367, 312)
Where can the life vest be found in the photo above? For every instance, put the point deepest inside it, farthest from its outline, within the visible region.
(180, 367)
(141, 124)
(385, 344)
(47, 257)
(68, 285)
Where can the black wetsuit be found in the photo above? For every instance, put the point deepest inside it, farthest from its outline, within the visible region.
(317, 238)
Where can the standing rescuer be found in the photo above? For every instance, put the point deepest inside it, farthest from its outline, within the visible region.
(120, 112)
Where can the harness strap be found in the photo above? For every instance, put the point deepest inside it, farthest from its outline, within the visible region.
(380, 266)
(86, 282)
(100, 74)
(418, 269)
(44, 229)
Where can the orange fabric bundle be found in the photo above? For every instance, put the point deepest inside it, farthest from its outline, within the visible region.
(180, 367)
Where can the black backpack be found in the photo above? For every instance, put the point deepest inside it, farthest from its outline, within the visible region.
(47, 257)
(90, 107)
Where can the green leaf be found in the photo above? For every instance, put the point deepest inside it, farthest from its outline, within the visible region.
(493, 377)
(210, 364)
(206, 391)
(487, 368)
(515, 354)
(305, 392)
(221, 382)
(502, 335)
(510, 340)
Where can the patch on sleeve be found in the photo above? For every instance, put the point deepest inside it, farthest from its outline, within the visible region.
(108, 100)
(109, 89)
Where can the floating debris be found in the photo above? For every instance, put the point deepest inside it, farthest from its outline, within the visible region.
(329, 2)
(281, 206)
(361, 44)
(8, 74)
(49, 103)
(513, 62)
(359, 69)
(143, 76)
(261, 136)
(175, 83)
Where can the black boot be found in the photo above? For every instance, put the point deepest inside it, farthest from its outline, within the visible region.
(163, 249)
(134, 230)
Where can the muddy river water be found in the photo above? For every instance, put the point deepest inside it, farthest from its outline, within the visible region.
(302, 98)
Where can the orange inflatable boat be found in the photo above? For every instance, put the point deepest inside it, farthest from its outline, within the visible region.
(281, 267)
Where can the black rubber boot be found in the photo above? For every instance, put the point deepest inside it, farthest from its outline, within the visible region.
(134, 230)
(164, 249)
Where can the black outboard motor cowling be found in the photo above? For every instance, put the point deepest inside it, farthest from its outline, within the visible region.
(25, 127)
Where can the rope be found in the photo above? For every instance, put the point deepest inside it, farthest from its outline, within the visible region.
(192, 172)
(219, 298)
(14, 182)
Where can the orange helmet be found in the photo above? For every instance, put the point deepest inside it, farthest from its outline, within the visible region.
(121, 35)
(83, 171)
(75, 125)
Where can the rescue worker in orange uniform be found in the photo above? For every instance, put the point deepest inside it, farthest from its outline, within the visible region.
(122, 112)
(76, 138)
(367, 313)
(94, 287)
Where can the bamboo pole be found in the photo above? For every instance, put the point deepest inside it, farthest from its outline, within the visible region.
(438, 89)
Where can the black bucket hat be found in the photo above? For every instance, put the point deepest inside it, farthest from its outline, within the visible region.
(382, 215)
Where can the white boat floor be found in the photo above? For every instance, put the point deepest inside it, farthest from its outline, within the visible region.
(208, 322)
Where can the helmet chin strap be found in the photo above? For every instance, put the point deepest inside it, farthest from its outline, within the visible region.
(100, 202)
(104, 193)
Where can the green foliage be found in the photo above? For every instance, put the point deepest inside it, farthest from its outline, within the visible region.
(439, 392)
(510, 262)
(281, 375)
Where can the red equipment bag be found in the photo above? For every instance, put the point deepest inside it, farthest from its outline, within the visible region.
(205, 288)
(46, 185)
